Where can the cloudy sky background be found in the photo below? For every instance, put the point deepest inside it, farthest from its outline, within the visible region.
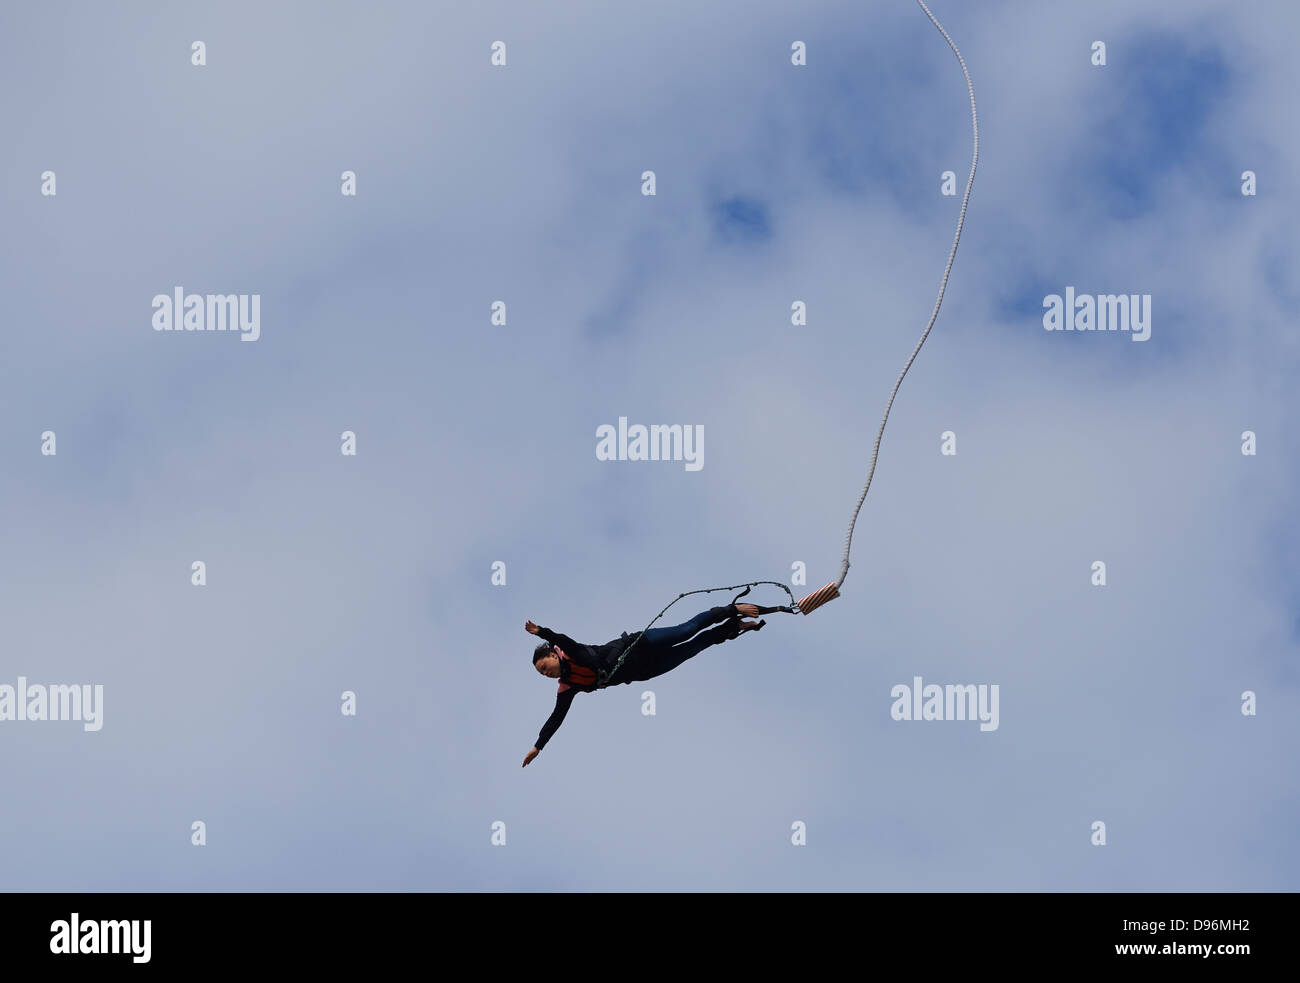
(477, 444)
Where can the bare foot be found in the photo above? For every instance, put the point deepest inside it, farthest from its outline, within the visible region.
(734, 627)
(747, 610)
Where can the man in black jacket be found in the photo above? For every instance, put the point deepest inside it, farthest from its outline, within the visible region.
(586, 668)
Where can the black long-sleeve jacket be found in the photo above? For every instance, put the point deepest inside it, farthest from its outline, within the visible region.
(601, 658)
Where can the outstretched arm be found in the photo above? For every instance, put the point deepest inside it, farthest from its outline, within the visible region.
(554, 637)
(562, 704)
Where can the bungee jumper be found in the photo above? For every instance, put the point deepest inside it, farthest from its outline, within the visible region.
(655, 651)
(631, 658)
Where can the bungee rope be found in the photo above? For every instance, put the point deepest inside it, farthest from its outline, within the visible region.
(806, 605)
(943, 285)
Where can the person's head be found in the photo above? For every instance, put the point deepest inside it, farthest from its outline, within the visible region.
(546, 660)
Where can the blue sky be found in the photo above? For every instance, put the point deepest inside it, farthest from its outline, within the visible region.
(476, 444)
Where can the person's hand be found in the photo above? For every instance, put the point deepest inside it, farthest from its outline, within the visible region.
(529, 757)
(747, 610)
(531, 628)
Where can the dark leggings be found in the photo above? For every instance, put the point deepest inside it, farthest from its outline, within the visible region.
(664, 649)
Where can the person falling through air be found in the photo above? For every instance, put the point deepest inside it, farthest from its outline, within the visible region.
(586, 668)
